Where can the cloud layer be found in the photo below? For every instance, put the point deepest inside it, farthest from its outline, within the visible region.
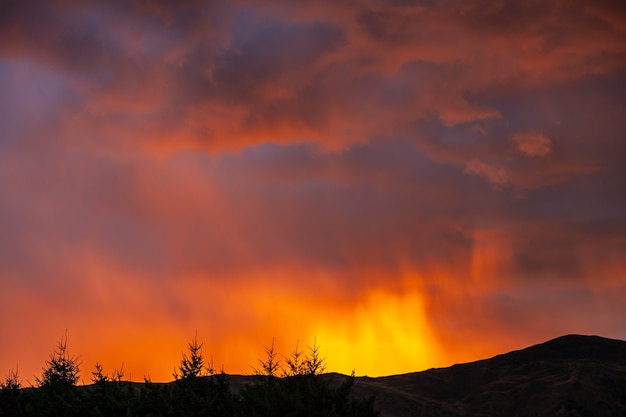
(426, 181)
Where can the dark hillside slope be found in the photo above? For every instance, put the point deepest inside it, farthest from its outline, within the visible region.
(569, 376)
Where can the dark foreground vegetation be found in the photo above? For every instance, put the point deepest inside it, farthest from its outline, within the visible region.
(577, 376)
(291, 386)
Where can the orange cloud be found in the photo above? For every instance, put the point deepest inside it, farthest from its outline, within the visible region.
(533, 144)
(497, 176)
(334, 74)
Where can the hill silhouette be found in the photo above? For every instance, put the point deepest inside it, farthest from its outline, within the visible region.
(571, 375)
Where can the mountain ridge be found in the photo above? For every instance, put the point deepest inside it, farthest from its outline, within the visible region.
(571, 375)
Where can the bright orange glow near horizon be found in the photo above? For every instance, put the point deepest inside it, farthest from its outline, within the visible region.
(409, 184)
(383, 335)
(376, 333)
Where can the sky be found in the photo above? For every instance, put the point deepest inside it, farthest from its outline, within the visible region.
(407, 184)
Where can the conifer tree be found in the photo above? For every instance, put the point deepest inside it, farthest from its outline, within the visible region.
(295, 362)
(12, 381)
(11, 395)
(193, 365)
(98, 377)
(302, 391)
(62, 369)
(271, 365)
(314, 363)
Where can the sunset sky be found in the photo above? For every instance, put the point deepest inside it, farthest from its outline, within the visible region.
(411, 183)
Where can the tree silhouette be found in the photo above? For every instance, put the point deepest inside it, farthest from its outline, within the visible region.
(61, 369)
(302, 391)
(11, 381)
(98, 376)
(271, 366)
(314, 363)
(106, 397)
(11, 395)
(193, 366)
(57, 394)
(295, 362)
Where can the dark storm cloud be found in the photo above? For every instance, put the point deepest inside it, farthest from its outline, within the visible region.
(245, 74)
(274, 50)
(150, 72)
(64, 37)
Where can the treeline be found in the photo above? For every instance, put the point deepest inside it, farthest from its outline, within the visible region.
(281, 386)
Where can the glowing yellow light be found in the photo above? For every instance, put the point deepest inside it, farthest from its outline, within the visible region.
(388, 333)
